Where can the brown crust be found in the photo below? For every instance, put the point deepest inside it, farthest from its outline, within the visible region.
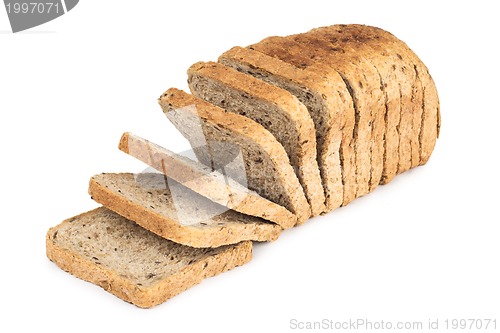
(302, 144)
(142, 296)
(328, 125)
(174, 230)
(201, 180)
(251, 131)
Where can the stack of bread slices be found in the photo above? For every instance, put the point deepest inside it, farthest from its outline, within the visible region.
(283, 130)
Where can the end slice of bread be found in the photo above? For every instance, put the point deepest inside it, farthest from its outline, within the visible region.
(174, 212)
(132, 263)
(199, 178)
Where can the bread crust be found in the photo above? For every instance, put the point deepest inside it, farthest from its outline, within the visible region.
(223, 259)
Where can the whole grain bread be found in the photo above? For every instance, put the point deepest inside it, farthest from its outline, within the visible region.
(132, 263)
(267, 167)
(201, 179)
(174, 212)
(278, 111)
(327, 101)
(358, 75)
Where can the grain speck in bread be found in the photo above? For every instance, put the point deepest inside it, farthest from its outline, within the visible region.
(278, 111)
(201, 179)
(174, 212)
(267, 167)
(132, 263)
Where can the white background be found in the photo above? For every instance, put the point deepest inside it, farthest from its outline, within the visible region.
(424, 246)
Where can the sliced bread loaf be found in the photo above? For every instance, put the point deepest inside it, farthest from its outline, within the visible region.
(132, 263)
(174, 212)
(369, 43)
(366, 86)
(267, 167)
(201, 179)
(358, 76)
(397, 83)
(275, 109)
(329, 105)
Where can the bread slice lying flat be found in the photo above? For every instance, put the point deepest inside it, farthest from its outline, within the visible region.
(267, 169)
(330, 106)
(174, 212)
(132, 263)
(199, 178)
(275, 109)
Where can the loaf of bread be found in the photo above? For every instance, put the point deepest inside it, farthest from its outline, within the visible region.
(283, 130)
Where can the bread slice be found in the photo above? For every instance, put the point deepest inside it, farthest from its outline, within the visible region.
(132, 263)
(211, 184)
(267, 169)
(174, 212)
(358, 76)
(275, 109)
(328, 103)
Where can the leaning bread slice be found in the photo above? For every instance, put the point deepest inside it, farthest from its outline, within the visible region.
(275, 109)
(201, 179)
(132, 263)
(328, 103)
(174, 212)
(230, 137)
